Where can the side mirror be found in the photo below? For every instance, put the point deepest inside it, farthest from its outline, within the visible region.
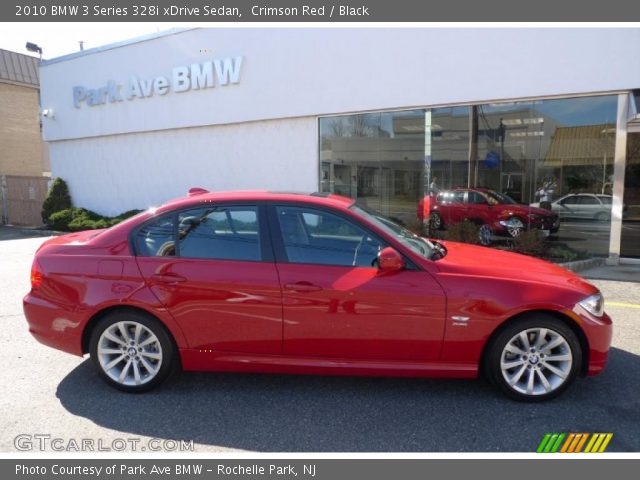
(389, 260)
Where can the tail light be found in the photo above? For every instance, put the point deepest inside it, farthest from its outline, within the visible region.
(36, 275)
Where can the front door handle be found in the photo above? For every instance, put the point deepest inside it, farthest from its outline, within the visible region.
(168, 277)
(302, 287)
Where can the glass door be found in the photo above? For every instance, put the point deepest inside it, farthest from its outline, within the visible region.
(630, 241)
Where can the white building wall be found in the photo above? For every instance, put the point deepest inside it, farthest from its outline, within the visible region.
(116, 173)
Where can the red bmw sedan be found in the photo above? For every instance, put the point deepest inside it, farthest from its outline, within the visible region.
(308, 284)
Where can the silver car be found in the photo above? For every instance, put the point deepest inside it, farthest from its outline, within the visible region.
(589, 206)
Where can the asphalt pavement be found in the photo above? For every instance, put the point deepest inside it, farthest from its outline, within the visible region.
(58, 395)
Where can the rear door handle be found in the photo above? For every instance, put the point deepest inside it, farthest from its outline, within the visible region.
(302, 287)
(168, 277)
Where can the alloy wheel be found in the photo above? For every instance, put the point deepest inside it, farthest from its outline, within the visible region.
(515, 227)
(536, 361)
(129, 353)
(485, 234)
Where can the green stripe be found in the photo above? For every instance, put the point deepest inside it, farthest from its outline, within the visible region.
(552, 440)
(558, 443)
(543, 443)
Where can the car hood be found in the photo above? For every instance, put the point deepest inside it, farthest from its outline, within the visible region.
(473, 260)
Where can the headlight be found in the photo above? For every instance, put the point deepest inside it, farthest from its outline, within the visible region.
(593, 304)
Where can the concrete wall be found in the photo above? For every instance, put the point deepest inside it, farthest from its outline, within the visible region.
(116, 173)
(21, 146)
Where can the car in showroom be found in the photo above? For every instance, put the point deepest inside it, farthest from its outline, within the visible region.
(308, 284)
(586, 206)
(493, 212)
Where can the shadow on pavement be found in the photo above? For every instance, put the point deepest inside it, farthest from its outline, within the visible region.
(349, 414)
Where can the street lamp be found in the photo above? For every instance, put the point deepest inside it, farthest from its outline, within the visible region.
(32, 47)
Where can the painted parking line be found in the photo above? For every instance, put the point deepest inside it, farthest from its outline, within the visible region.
(623, 305)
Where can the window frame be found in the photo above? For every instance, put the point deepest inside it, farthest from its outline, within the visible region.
(264, 233)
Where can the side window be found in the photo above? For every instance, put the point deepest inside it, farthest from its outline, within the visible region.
(318, 237)
(223, 233)
(458, 197)
(570, 200)
(476, 198)
(156, 239)
(588, 200)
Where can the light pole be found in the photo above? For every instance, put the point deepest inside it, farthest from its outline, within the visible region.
(32, 47)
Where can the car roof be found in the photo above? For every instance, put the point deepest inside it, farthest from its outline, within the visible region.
(198, 196)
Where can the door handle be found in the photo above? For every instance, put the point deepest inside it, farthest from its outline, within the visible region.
(168, 277)
(302, 287)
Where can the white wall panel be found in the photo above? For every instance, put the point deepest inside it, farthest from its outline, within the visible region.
(116, 173)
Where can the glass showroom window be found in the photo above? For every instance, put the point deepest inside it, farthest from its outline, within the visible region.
(533, 153)
(377, 159)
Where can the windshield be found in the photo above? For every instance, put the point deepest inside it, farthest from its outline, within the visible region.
(501, 197)
(415, 243)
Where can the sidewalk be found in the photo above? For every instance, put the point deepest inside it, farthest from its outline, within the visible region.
(619, 273)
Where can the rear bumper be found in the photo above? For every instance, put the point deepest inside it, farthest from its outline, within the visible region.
(53, 326)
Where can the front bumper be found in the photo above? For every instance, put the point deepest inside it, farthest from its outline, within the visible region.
(598, 332)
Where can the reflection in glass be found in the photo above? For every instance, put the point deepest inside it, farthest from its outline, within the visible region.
(540, 153)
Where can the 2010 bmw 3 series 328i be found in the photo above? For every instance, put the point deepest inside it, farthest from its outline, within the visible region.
(309, 284)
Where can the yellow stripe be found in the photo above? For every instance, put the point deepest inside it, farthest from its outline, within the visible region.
(567, 442)
(624, 305)
(591, 442)
(606, 442)
(582, 440)
(596, 445)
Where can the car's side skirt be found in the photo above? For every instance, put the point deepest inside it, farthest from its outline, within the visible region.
(216, 361)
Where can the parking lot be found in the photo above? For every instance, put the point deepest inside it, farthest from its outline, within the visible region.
(52, 393)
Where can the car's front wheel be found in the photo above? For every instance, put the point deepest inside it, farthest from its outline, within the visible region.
(535, 358)
(132, 351)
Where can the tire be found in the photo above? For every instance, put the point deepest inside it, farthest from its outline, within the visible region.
(435, 221)
(603, 217)
(528, 375)
(485, 234)
(147, 357)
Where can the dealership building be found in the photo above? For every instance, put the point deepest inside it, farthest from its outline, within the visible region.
(383, 115)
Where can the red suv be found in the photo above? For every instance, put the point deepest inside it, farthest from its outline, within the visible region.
(315, 284)
(495, 213)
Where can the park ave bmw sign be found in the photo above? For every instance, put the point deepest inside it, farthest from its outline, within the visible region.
(197, 76)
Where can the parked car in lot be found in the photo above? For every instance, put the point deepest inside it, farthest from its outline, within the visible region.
(495, 213)
(588, 206)
(308, 284)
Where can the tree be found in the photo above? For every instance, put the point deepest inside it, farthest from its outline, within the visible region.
(57, 199)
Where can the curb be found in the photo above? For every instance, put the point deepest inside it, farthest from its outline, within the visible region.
(581, 265)
(36, 232)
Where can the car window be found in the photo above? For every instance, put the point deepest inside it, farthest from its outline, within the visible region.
(605, 199)
(570, 200)
(156, 238)
(319, 237)
(223, 233)
(476, 198)
(587, 200)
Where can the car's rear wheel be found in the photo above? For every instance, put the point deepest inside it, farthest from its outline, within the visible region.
(603, 217)
(534, 359)
(132, 351)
